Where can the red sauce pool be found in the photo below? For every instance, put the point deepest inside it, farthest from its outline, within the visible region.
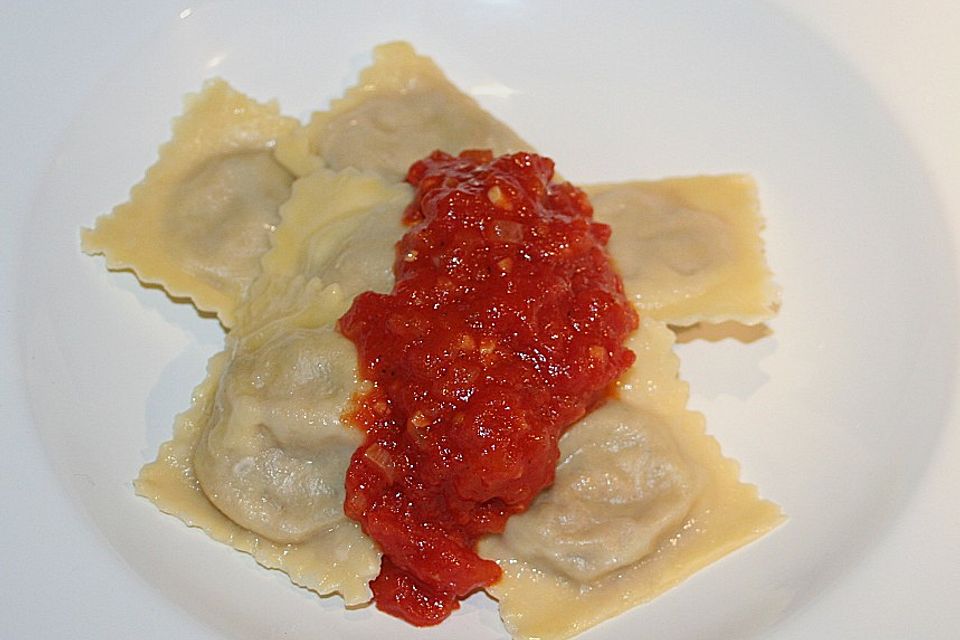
(505, 326)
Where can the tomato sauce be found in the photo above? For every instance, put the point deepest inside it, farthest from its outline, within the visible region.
(505, 326)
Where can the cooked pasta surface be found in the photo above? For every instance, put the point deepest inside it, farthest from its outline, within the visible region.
(259, 460)
(333, 559)
(200, 220)
(276, 228)
(689, 249)
(643, 498)
(402, 108)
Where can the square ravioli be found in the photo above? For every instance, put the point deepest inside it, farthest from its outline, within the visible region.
(200, 220)
(402, 109)
(336, 558)
(643, 498)
(258, 461)
(689, 249)
(276, 228)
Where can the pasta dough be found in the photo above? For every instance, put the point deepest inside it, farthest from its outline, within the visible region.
(271, 453)
(689, 249)
(622, 482)
(333, 559)
(274, 453)
(401, 110)
(643, 498)
(259, 460)
(200, 220)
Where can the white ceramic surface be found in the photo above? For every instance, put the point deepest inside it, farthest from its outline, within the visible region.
(844, 415)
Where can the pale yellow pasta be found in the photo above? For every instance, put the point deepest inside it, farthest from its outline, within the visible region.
(331, 217)
(689, 249)
(328, 561)
(643, 499)
(259, 461)
(274, 452)
(622, 484)
(200, 220)
(402, 108)
(286, 431)
(680, 265)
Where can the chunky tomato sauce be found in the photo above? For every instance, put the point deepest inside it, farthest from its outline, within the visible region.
(505, 326)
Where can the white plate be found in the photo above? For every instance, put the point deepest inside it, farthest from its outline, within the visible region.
(843, 416)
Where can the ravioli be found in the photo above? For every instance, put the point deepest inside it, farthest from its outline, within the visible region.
(334, 558)
(401, 110)
(200, 220)
(642, 499)
(273, 452)
(349, 245)
(259, 460)
(689, 249)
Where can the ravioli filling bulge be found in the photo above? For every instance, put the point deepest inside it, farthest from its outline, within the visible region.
(259, 460)
(273, 451)
(643, 497)
(689, 248)
(200, 220)
(554, 587)
(402, 109)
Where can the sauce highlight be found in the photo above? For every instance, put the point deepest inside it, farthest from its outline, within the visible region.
(505, 326)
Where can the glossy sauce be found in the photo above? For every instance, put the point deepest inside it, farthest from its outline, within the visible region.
(505, 326)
